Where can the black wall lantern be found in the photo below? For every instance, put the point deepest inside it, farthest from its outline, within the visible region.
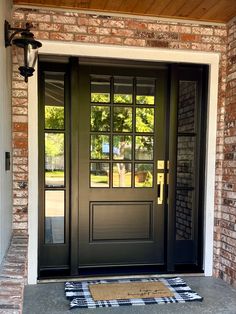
(27, 42)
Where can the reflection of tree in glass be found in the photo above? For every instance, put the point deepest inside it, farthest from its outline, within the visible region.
(100, 147)
(122, 147)
(144, 119)
(121, 172)
(145, 100)
(122, 99)
(122, 119)
(100, 118)
(54, 148)
(54, 117)
(144, 147)
(100, 97)
(122, 175)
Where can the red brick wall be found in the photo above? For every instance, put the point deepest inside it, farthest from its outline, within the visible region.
(72, 26)
(227, 224)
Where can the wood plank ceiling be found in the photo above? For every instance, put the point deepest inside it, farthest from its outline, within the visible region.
(202, 10)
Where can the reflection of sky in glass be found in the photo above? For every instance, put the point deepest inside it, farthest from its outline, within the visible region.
(105, 148)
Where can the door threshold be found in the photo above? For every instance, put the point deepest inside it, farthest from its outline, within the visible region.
(55, 280)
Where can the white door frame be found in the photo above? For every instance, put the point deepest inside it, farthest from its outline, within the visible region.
(132, 53)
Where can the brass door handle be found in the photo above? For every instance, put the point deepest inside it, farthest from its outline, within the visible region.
(160, 188)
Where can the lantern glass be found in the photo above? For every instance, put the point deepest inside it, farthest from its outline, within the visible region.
(32, 55)
(19, 52)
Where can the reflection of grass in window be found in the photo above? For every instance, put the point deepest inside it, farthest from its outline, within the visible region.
(99, 179)
(54, 174)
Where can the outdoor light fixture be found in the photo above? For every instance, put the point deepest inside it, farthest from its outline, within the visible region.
(27, 42)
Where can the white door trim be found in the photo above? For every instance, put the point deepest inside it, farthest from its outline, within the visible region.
(133, 53)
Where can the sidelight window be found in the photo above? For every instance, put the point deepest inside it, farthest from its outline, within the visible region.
(54, 160)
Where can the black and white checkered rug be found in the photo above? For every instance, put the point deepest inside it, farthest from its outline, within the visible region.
(79, 295)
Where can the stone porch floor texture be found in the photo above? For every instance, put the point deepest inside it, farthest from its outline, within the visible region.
(219, 297)
(49, 298)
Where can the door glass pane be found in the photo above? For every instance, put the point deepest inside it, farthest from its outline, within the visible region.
(186, 161)
(145, 91)
(145, 120)
(123, 90)
(54, 217)
(100, 89)
(143, 147)
(54, 160)
(100, 147)
(54, 101)
(187, 106)
(122, 147)
(144, 175)
(99, 174)
(100, 118)
(54, 117)
(184, 213)
(121, 175)
(122, 119)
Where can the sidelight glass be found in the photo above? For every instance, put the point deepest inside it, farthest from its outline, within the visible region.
(100, 89)
(143, 175)
(121, 175)
(122, 119)
(100, 147)
(187, 106)
(145, 120)
(184, 214)
(54, 101)
(145, 91)
(144, 147)
(54, 117)
(122, 147)
(123, 90)
(99, 174)
(54, 217)
(100, 118)
(185, 171)
(54, 160)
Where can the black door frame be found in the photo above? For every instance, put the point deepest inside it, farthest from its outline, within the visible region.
(72, 96)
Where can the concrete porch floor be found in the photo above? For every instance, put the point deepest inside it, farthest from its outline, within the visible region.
(219, 297)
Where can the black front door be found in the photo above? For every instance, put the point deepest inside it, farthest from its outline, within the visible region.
(121, 123)
(119, 165)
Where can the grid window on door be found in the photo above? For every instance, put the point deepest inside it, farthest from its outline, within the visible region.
(122, 131)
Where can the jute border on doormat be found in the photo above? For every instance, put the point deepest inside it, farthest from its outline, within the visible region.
(80, 295)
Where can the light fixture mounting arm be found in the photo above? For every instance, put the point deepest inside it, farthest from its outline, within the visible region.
(16, 30)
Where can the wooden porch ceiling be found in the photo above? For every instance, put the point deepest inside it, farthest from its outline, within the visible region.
(202, 10)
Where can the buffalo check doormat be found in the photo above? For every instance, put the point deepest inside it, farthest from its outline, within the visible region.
(137, 291)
